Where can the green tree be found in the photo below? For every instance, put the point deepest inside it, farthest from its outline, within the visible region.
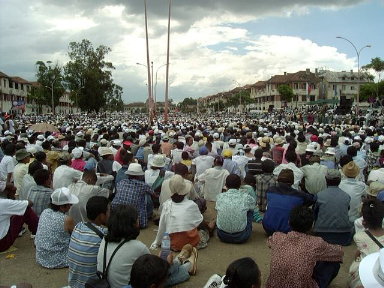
(48, 78)
(378, 66)
(188, 105)
(114, 101)
(368, 91)
(286, 92)
(89, 76)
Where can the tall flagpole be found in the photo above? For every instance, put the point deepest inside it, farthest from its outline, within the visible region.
(150, 106)
(167, 71)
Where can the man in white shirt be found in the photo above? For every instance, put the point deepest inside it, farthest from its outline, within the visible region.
(65, 175)
(13, 214)
(291, 157)
(202, 162)
(85, 189)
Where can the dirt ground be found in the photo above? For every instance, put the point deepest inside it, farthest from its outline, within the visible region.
(213, 259)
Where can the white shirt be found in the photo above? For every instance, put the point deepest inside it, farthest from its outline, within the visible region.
(7, 165)
(8, 208)
(19, 172)
(297, 173)
(151, 175)
(214, 181)
(202, 163)
(65, 176)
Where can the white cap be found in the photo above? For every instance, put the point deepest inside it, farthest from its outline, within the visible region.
(371, 270)
(62, 196)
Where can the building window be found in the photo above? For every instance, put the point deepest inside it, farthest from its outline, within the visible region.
(10, 84)
(22, 87)
(303, 98)
(295, 85)
(352, 87)
(312, 98)
(16, 85)
(334, 87)
(343, 87)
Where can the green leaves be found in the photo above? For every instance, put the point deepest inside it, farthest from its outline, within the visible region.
(286, 92)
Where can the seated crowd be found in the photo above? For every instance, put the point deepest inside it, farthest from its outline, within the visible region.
(85, 194)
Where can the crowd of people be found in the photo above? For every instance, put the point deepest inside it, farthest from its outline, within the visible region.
(87, 188)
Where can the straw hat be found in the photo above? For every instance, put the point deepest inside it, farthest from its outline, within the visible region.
(103, 151)
(279, 140)
(374, 188)
(178, 186)
(158, 161)
(351, 170)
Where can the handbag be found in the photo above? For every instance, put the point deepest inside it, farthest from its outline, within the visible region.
(102, 282)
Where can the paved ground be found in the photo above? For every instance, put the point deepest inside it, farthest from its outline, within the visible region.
(214, 259)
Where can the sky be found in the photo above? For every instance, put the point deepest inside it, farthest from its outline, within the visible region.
(215, 45)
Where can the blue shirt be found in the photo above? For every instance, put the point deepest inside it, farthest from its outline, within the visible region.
(82, 255)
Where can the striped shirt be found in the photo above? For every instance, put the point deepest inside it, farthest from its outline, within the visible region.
(82, 255)
(40, 196)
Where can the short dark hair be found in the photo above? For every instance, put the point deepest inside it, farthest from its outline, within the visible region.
(242, 273)
(291, 156)
(40, 156)
(352, 151)
(147, 270)
(345, 160)
(122, 224)
(34, 166)
(89, 176)
(267, 166)
(10, 149)
(156, 148)
(96, 205)
(373, 213)
(301, 219)
(233, 181)
(219, 161)
(179, 145)
(258, 153)
(41, 176)
(180, 169)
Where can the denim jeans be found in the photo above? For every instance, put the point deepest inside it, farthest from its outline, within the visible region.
(149, 205)
(238, 237)
(343, 239)
(177, 273)
(325, 272)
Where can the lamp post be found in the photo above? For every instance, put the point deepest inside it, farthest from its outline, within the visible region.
(167, 71)
(53, 82)
(157, 70)
(358, 69)
(239, 95)
(149, 92)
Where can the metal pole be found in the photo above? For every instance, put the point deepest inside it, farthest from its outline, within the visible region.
(157, 70)
(167, 73)
(150, 114)
(153, 99)
(358, 70)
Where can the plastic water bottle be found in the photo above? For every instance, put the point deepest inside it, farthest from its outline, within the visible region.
(165, 246)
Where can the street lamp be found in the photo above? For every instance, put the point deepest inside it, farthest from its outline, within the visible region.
(149, 90)
(157, 70)
(53, 82)
(241, 110)
(358, 69)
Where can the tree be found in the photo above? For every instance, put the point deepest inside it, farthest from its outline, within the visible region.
(378, 66)
(48, 78)
(114, 101)
(89, 75)
(368, 91)
(286, 92)
(188, 105)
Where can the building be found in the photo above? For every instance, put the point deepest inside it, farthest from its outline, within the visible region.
(14, 93)
(309, 88)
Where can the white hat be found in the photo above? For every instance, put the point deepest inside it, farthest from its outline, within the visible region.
(116, 142)
(310, 148)
(142, 141)
(105, 151)
(371, 270)
(216, 135)
(77, 152)
(178, 186)
(232, 142)
(158, 161)
(39, 137)
(62, 196)
(134, 169)
(330, 150)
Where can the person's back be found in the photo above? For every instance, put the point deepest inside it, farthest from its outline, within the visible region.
(85, 242)
(294, 256)
(314, 175)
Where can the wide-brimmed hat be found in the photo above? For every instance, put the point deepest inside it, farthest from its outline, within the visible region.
(103, 151)
(232, 142)
(327, 142)
(371, 270)
(158, 161)
(227, 153)
(134, 169)
(178, 186)
(310, 148)
(62, 196)
(264, 141)
(279, 140)
(22, 154)
(374, 188)
(351, 170)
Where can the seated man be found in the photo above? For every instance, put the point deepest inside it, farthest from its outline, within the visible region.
(40, 194)
(13, 215)
(331, 212)
(298, 258)
(85, 242)
(134, 191)
(234, 212)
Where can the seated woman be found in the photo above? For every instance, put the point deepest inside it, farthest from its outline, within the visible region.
(180, 217)
(298, 257)
(373, 214)
(54, 230)
(241, 273)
